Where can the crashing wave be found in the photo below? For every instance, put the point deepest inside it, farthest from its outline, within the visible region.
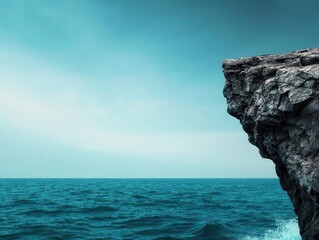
(286, 230)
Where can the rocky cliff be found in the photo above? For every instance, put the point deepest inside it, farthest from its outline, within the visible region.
(276, 99)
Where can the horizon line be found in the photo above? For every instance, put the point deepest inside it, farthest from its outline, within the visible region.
(2, 178)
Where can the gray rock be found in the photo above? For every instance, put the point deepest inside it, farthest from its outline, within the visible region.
(276, 99)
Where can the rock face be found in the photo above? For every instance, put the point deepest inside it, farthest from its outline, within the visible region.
(276, 99)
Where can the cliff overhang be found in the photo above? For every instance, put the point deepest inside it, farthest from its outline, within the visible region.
(276, 99)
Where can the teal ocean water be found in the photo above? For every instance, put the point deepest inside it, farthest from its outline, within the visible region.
(190, 209)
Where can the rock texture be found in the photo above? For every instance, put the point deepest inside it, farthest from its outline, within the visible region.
(276, 99)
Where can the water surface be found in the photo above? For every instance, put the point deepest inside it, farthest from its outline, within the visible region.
(191, 209)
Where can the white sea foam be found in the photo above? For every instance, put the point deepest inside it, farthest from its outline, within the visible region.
(286, 230)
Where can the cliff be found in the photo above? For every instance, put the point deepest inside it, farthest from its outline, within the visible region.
(276, 99)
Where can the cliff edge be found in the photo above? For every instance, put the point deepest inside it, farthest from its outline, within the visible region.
(276, 99)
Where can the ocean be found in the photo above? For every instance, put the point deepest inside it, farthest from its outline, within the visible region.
(161, 209)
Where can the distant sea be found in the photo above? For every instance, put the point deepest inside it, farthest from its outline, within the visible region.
(186, 209)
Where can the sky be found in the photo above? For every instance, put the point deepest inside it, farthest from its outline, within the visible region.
(133, 88)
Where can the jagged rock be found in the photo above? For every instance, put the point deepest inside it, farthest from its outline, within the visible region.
(276, 99)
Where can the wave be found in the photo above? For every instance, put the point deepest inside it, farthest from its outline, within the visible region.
(42, 212)
(212, 231)
(286, 230)
(138, 196)
(23, 202)
(166, 238)
(144, 221)
(98, 209)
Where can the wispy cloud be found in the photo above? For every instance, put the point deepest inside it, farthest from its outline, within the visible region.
(76, 127)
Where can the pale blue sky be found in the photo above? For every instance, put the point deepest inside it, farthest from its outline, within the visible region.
(133, 88)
